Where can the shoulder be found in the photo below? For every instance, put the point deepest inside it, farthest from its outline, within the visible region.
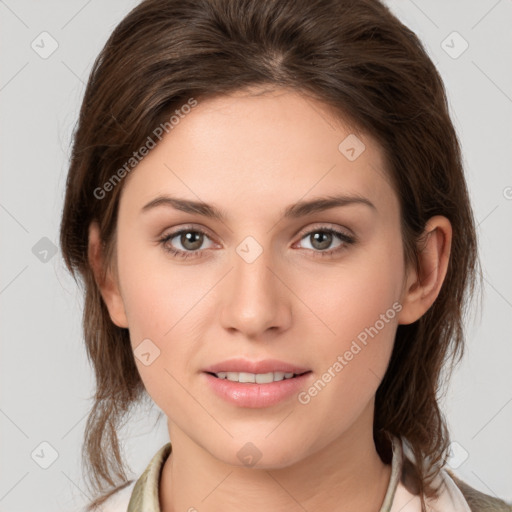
(478, 501)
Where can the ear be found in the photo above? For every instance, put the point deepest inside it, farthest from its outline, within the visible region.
(422, 287)
(106, 281)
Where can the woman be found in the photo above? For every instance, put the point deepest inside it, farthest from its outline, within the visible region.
(267, 206)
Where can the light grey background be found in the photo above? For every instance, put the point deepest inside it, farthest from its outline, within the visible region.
(46, 381)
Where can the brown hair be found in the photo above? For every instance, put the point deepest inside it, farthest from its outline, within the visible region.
(354, 56)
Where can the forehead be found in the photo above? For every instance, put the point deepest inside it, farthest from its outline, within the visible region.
(279, 145)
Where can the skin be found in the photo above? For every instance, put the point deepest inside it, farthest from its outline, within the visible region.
(252, 156)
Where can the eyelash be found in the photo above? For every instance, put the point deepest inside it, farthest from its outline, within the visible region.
(346, 239)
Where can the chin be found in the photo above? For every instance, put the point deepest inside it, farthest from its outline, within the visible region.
(260, 453)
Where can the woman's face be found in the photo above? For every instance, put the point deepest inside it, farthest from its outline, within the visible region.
(258, 283)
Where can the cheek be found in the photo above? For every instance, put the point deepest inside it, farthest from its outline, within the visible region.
(357, 308)
(164, 308)
(353, 296)
(156, 295)
(355, 337)
(352, 360)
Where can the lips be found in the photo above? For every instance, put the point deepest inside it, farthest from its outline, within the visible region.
(240, 365)
(263, 392)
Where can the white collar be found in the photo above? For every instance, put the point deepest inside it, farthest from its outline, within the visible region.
(450, 498)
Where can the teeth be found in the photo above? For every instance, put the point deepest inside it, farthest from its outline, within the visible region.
(258, 378)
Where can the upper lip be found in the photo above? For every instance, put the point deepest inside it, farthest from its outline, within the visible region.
(263, 366)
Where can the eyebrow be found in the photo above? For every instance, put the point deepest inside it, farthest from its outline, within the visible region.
(297, 210)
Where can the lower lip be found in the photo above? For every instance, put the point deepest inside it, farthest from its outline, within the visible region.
(253, 395)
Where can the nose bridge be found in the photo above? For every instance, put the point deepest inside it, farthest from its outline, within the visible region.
(255, 300)
(252, 264)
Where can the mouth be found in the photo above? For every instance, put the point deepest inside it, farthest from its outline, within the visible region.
(256, 378)
(268, 384)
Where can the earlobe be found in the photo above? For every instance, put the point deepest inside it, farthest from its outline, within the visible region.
(423, 287)
(106, 282)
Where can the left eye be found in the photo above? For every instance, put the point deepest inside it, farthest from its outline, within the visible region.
(322, 238)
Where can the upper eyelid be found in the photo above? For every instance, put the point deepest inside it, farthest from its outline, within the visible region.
(323, 226)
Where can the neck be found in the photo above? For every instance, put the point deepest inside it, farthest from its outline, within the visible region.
(345, 475)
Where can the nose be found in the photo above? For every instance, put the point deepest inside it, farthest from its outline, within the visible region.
(257, 299)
